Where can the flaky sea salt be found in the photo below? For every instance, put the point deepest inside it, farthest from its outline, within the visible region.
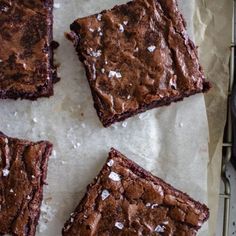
(136, 49)
(114, 74)
(121, 28)
(56, 5)
(148, 204)
(144, 116)
(173, 83)
(114, 126)
(94, 71)
(124, 124)
(114, 176)
(97, 53)
(103, 70)
(28, 197)
(119, 225)
(118, 75)
(100, 34)
(11, 190)
(99, 17)
(54, 154)
(125, 22)
(151, 48)
(91, 30)
(76, 145)
(5, 172)
(154, 205)
(165, 222)
(25, 66)
(5, 8)
(105, 194)
(67, 227)
(110, 163)
(1, 60)
(160, 229)
(35, 120)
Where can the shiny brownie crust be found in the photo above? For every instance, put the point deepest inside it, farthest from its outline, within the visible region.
(23, 170)
(137, 56)
(125, 199)
(26, 54)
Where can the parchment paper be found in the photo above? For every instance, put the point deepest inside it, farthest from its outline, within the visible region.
(213, 31)
(171, 142)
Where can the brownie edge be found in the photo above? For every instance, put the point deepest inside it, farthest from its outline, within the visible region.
(125, 199)
(23, 171)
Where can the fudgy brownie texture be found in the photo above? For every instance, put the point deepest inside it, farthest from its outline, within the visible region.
(137, 56)
(23, 170)
(26, 52)
(125, 199)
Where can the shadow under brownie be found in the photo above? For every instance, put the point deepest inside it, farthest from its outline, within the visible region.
(23, 170)
(137, 56)
(125, 199)
(26, 52)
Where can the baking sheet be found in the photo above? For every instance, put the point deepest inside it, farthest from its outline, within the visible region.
(171, 141)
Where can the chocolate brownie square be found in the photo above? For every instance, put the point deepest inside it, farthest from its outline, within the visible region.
(26, 52)
(23, 170)
(125, 199)
(137, 56)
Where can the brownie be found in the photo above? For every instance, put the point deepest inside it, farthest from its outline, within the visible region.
(125, 199)
(137, 56)
(26, 52)
(23, 168)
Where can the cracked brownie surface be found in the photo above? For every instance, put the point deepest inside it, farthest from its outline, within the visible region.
(26, 52)
(137, 56)
(23, 170)
(124, 199)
